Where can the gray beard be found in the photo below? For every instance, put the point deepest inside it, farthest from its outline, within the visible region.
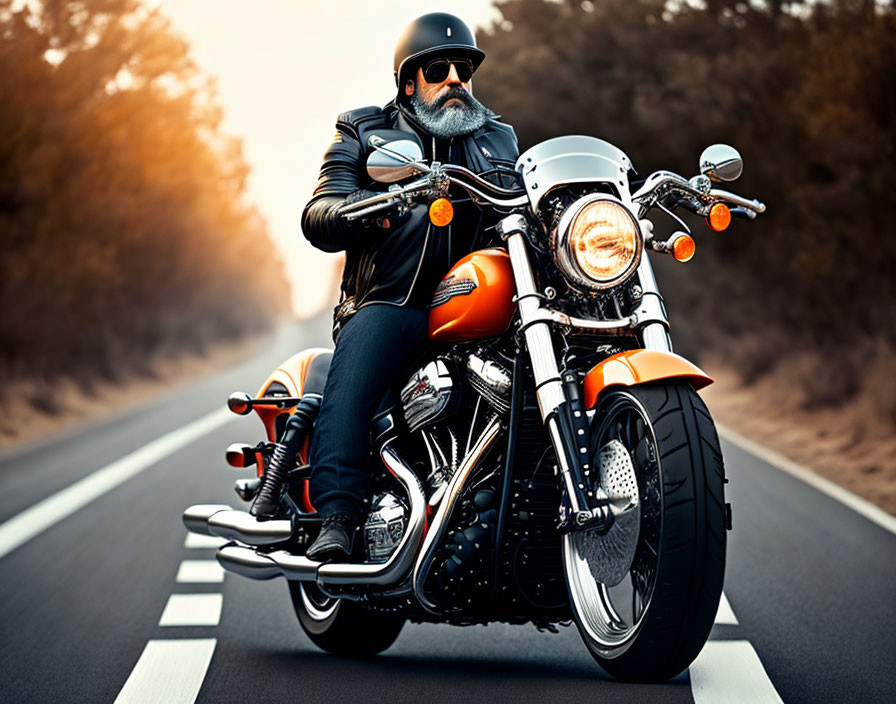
(452, 121)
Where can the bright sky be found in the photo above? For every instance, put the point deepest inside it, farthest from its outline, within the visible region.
(286, 69)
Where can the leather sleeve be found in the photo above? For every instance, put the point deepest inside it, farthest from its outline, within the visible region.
(340, 175)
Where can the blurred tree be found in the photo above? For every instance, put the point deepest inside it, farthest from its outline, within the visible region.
(124, 227)
(804, 90)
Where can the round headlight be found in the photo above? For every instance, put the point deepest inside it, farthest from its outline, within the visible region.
(599, 243)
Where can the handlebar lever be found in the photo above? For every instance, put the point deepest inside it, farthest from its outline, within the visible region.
(743, 213)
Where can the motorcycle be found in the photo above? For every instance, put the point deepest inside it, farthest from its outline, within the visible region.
(548, 459)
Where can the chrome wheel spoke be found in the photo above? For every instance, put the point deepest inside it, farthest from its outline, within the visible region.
(612, 615)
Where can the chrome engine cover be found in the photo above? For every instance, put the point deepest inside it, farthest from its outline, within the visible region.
(385, 526)
(428, 395)
(490, 380)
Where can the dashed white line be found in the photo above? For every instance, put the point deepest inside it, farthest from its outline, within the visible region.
(729, 672)
(192, 610)
(838, 493)
(35, 520)
(725, 615)
(169, 671)
(201, 542)
(200, 572)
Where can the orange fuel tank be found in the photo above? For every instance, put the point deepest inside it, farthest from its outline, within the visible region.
(475, 299)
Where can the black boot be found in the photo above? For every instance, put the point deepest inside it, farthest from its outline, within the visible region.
(267, 502)
(335, 539)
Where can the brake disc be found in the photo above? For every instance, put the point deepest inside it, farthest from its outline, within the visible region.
(610, 555)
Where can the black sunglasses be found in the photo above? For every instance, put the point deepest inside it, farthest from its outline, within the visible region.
(437, 71)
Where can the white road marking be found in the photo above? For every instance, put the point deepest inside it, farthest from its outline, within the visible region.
(836, 492)
(725, 615)
(192, 610)
(200, 571)
(194, 540)
(44, 514)
(729, 672)
(169, 671)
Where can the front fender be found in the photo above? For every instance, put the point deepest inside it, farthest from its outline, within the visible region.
(638, 367)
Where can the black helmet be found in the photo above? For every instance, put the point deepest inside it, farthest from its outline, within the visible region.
(435, 33)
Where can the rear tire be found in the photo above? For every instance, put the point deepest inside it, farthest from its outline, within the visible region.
(674, 594)
(342, 627)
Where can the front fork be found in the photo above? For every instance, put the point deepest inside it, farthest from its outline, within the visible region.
(560, 397)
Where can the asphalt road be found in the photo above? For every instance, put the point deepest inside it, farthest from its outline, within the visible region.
(811, 585)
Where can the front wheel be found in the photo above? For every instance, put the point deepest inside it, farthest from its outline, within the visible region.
(341, 627)
(644, 595)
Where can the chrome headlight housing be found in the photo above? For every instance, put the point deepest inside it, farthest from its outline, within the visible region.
(597, 243)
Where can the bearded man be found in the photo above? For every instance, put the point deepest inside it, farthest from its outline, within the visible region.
(393, 264)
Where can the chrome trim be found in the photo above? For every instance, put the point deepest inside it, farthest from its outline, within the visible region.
(400, 562)
(538, 334)
(295, 567)
(427, 394)
(572, 159)
(651, 312)
(740, 201)
(564, 258)
(247, 561)
(196, 517)
(572, 493)
(436, 530)
(246, 489)
(721, 162)
(490, 380)
(398, 160)
(239, 525)
(618, 326)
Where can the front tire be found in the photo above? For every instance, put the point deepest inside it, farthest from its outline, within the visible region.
(339, 626)
(653, 624)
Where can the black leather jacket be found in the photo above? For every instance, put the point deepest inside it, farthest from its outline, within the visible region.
(402, 265)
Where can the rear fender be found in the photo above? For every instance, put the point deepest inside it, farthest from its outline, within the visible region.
(291, 374)
(639, 367)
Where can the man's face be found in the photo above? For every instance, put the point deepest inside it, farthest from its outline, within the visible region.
(429, 93)
(446, 108)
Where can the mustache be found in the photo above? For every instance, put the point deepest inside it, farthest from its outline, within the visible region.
(454, 92)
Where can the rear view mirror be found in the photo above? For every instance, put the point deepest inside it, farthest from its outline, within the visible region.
(721, 162)
(393, 161)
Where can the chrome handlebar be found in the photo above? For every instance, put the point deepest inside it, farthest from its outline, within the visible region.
(435, 184)
(658, 186)
(662, 184)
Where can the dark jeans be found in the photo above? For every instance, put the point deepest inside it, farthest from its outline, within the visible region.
(373, 347)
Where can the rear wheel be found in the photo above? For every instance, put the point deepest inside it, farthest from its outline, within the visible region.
(342, 627)
(648, 617)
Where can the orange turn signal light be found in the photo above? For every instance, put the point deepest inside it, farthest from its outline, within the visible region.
(719, 217)
(441, 212)
(683, 248)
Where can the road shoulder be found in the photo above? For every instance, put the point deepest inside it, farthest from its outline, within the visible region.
(844, 445)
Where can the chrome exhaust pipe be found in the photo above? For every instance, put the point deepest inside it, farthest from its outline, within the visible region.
(399, 564)
(434, 535)
(196, 517)
(250, 563)
(239, 525)
(224, 522)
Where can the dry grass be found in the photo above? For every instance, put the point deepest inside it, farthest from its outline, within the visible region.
(800, 410)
